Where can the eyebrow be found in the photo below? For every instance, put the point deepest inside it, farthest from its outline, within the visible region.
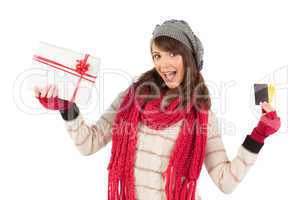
(154, 52)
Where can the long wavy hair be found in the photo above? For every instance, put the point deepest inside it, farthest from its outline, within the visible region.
(192, 84)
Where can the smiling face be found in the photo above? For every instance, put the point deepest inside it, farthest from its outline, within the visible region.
(168, 65)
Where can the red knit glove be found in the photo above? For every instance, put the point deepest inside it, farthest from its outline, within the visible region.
(55, 103)
(269, 123)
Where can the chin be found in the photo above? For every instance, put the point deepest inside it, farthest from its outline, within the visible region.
(172, 85)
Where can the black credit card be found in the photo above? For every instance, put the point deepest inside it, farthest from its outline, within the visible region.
(261, 93)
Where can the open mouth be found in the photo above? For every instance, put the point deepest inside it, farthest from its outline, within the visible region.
(169, 76)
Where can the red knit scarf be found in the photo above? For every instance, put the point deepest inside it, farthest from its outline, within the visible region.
(186, 158)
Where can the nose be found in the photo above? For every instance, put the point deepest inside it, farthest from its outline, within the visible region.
(164, 62)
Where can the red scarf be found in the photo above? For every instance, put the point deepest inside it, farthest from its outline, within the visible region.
(186, 158)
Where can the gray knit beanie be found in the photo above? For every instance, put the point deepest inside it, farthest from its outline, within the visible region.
(181, 31)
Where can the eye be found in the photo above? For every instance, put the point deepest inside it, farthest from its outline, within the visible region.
(155, 57)
(172, 54)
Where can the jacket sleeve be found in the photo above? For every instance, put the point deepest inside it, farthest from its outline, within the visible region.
(227, 174)
(90, 138)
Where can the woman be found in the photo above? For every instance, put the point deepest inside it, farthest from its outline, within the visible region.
(162, 129)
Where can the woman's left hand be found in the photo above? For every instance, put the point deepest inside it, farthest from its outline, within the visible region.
(268, 124)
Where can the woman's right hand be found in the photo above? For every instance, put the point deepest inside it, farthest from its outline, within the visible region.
(48, 97)
(47, 91)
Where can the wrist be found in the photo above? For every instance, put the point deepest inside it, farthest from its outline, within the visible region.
(70, 112)
(257, 135)
(252, 145)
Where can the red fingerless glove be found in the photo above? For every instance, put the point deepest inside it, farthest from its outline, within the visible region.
(268, 125)
(55, 103)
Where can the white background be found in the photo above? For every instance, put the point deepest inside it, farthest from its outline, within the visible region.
(244, 42)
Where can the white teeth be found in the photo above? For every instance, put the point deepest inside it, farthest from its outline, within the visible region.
(170, 72)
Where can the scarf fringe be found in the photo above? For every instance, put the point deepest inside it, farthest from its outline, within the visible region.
(114, 191)
(112, 187)
(187, 188)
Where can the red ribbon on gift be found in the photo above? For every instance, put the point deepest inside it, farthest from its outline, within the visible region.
(80, 70)
(64, 68)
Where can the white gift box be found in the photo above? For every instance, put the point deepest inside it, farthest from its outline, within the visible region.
(61, 67)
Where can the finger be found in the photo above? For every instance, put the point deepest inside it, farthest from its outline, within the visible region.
(45, 91)
(50, 91)
(37, 91)
(267, 107)
(55, 92)
(264, 108)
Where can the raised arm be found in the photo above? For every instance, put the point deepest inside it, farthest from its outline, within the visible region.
(228, 174)
(91, 138)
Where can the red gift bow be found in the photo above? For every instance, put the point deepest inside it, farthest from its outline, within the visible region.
(55, 103)
(81, 68)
